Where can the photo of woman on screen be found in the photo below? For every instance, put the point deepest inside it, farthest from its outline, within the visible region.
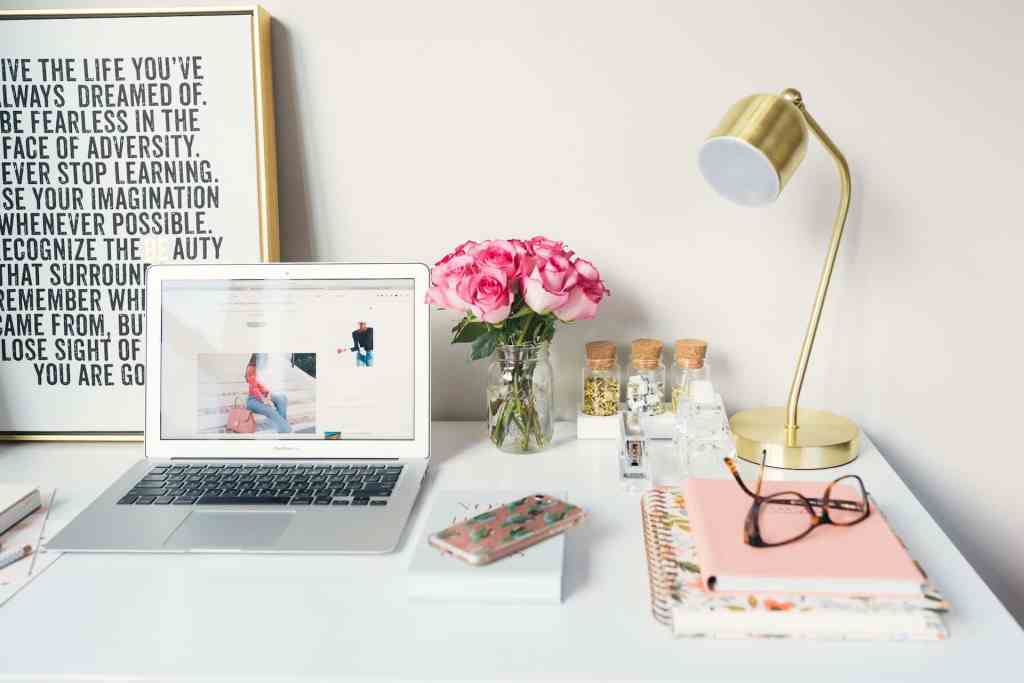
(272, 405)
(362, 345)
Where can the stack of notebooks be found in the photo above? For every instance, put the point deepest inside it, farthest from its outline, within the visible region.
(836, 583)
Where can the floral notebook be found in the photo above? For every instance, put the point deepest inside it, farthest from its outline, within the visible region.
(679, 600)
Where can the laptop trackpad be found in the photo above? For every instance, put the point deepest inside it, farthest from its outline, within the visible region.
(229, 530)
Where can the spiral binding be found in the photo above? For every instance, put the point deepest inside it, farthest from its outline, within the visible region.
(661, 564)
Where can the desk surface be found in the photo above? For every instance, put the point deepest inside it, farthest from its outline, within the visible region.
(106, 617)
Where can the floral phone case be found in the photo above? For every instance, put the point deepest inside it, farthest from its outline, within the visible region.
(507, 529)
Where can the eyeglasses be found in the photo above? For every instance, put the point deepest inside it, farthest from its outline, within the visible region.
(779, 519)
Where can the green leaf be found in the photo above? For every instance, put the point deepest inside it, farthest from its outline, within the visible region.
(468, 332)
(552, 517)
(522, 312)
(548, 331)
(479, 534)
(484, 345)
(510, 330)
(515, 519)
(518, 532)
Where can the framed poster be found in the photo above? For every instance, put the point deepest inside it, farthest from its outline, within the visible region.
(127, 137)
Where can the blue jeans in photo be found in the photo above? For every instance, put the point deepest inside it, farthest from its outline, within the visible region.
(364, 360)
(277, 413)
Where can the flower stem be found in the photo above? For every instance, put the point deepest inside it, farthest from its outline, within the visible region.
(515, 406)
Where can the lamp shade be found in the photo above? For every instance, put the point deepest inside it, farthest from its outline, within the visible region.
(754, 151)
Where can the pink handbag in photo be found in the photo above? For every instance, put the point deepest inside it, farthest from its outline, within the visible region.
(240, 419)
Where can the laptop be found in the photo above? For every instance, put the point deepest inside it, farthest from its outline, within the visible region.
(287, 411)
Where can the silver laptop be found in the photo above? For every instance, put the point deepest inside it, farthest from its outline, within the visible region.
(287, 410)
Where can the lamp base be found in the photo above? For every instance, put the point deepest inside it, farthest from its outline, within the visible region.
(823, 439)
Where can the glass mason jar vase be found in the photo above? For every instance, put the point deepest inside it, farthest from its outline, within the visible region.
(520, 398)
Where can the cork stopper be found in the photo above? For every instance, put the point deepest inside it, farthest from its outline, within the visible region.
(601, 355)
(646, 353)
(690, 353)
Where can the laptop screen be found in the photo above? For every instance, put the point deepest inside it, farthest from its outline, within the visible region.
(287, 359)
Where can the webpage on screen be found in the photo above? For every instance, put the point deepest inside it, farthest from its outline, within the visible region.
(309, 359)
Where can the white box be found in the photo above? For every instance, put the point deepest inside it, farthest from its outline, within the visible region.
(532, 576)
(598, 427)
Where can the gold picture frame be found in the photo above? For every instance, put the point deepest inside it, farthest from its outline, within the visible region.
(265, 161)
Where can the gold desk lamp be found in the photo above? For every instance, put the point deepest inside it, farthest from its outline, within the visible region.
(748, 159)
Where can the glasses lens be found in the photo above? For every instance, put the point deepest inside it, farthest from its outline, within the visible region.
(784, 517)
(848, 501)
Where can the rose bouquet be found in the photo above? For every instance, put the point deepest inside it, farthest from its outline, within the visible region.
(512, 294)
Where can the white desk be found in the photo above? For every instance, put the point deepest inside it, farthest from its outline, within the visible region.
(108, 617)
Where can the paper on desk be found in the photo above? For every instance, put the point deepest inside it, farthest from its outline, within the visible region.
(29, 531)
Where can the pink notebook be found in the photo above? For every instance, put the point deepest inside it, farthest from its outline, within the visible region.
(864, 559)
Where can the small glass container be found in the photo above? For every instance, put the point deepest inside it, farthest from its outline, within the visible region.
(645, 387)
(601, 388)
(689, 366)
(704, 438)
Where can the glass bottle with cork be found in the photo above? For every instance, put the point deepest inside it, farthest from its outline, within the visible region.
(689, 366)
(601, 388)
(645, 388)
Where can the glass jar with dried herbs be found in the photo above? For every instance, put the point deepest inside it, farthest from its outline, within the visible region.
(601, 388)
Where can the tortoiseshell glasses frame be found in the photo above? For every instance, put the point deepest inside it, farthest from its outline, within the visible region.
(752, 525)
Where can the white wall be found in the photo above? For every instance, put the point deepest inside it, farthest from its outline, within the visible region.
(405, 127)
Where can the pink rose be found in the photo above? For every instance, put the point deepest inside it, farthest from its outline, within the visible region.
(544, 249)
(520, 247)
(487, 294)
(499, 255)
(549, 285)
(585, 296)
(460, 250)
(538, 251)
(445, 278)
(523, 258)
(464, 248)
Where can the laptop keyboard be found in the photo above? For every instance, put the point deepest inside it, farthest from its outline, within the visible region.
(265, 484)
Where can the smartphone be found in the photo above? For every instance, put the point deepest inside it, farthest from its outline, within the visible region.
(507, 529)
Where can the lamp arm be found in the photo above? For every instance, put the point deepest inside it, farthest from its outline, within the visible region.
(826, 273)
